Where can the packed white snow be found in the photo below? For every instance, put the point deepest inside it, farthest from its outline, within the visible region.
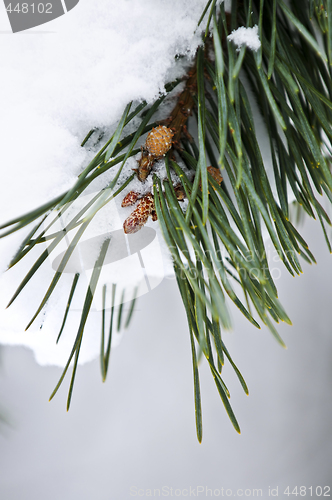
(245, 36)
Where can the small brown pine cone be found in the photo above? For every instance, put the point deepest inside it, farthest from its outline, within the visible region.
(140, 215)
(130, 199)
(159, 141)
(145, 164)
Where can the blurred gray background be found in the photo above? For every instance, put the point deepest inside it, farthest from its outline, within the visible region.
(138, 429)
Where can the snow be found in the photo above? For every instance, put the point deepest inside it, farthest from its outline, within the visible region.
(58, 81)
(57, 85)
(245, 36)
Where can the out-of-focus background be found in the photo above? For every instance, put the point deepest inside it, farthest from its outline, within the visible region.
(138, 430)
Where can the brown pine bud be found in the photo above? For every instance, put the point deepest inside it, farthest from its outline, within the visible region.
(215, 173)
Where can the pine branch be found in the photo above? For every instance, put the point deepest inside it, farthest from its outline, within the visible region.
(217, 243)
